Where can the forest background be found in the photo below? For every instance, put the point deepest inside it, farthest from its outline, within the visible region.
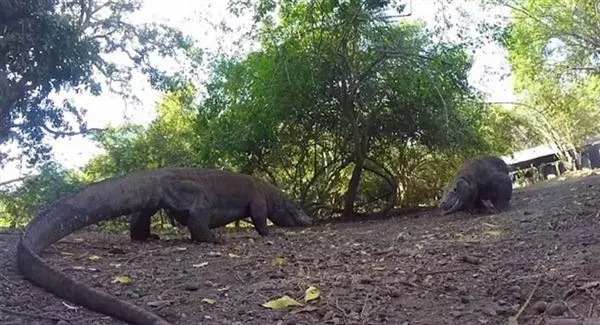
(352, 107)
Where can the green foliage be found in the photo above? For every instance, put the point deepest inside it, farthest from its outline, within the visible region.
(546, 36)
(340, 107)
(169, 140)
(553, 52)
(50, 45)
(332, 82)
(51, 183)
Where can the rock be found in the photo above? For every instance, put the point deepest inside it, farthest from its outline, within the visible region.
(471, 259)
(556, 308)
(540, 306)
(395, 293)
(191, 286)
(116, 250)
(449, 287)
(462, 291)
(488, 310)
(515, 288)
(365, 280)
(466, 299)
(456, 313)
(508, 310)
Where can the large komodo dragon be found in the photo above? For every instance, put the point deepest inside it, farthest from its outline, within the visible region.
(202, 198)
(484, 178)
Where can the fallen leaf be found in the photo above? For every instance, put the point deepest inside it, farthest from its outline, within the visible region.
(181, 249)
(233, 255)
(277, 261)
(66, 254)
(115, 264)
(94, 257)
(208, 301)
(122, 279)
(459, 235)
(281, 303)
(200, 264)
(379, 268)
(494, 232)
(213, 254)
(311, 293)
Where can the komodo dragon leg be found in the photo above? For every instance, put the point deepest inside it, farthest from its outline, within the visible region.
(199, 225)
(258, 215)
(139, 225)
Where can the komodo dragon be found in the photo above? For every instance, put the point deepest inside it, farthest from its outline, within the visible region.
(139, 222)
(485, 178)
(207, 198)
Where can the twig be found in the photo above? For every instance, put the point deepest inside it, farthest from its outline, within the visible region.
(448, 271)
(364, 307)
(337, 306)
(513, 319)
(366, 310)
(8, 280)
(591, 294)
(570, 309)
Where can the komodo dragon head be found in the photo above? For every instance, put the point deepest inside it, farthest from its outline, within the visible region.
(285, 213)
(456, 196)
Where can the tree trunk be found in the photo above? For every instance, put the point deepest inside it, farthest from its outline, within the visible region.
(353, 185)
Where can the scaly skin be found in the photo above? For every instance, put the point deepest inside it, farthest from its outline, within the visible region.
(207, 198)
(224, 209)
(485, 178)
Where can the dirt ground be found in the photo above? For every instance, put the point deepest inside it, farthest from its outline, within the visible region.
(417, 269)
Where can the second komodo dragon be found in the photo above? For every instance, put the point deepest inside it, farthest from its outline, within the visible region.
(481, 179)
(202, 198)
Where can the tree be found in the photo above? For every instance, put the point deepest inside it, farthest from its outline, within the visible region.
(52, 45)
(553, 51)
(546, 35)
(50, 183)
(170, 139)
(339, 79)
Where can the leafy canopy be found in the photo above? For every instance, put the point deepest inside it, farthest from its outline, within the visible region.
(48, 46)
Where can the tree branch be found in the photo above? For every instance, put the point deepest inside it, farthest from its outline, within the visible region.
(14, 180)
(64, 133)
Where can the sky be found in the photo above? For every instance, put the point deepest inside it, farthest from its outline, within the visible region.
(194, 18)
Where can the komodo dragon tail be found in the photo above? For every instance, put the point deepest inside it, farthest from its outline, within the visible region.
(100, 201)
